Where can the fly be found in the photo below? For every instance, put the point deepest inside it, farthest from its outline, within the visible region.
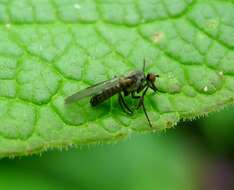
(132, 84)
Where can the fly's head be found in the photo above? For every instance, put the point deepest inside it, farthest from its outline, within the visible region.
(150, 79)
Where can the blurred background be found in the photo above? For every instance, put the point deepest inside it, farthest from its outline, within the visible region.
(194, 155)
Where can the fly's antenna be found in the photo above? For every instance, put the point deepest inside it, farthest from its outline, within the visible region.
(143, 69)
(144, 65)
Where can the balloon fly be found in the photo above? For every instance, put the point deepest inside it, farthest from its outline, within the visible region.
(132, 84)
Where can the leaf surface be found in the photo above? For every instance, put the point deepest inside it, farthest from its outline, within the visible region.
(50, 49)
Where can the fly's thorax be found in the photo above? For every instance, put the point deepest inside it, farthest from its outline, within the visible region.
(134, 81)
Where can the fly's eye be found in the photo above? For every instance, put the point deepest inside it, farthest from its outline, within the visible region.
(151, 77)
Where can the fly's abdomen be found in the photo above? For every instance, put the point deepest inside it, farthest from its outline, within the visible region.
(106, 94)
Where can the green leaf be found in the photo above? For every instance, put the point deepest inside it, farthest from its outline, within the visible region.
(51, 49)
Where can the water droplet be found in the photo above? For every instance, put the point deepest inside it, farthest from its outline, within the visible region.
(221, 73)
(40, 48)
(205, 88)
(8, 25)
(77, 6)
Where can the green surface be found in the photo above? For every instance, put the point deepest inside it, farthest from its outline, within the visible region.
(50, 49)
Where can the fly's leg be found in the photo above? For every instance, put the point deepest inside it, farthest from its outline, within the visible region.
(135, 96)
(123, 105)
(141, 104)
(141, 101)
(146, 115)
(139, 97)
(126, 93)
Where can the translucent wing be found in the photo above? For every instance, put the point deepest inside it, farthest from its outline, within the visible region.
(92, 90)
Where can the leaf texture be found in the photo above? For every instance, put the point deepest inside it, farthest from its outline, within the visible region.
(50, 49)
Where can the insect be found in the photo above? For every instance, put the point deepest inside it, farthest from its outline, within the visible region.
(132, 84)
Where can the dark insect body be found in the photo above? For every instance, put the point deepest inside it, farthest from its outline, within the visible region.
(131, 84)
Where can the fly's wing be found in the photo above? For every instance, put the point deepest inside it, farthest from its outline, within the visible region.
(92, 90)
